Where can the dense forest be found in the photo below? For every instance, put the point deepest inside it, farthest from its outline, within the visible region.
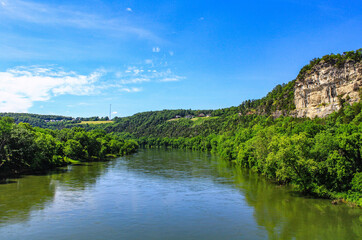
(24, 148)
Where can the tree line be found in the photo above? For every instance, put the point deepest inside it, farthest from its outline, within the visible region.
(321, 157)
(26, 148)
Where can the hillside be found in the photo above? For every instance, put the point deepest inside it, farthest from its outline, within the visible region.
(38, 120)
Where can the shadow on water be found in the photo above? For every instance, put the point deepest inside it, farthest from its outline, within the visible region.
(286, 214)
(45, 173)
(37, 173)
(20, 196)
(7, 181)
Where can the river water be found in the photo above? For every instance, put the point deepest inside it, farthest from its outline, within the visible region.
(159, 194)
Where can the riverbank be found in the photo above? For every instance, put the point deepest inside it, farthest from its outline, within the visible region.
(318, 157)
(24, 148)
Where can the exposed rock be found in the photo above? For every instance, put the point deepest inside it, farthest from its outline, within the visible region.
(317, 92)
(277, 113)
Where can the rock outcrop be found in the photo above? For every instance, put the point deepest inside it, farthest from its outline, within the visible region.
(317, 92)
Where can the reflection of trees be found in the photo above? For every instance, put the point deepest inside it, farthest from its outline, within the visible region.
(18, 199)
(282, 213)
(174, 164)
(80, 177)
(286, 216)
(24, 195)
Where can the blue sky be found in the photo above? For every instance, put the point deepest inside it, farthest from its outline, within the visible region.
(75, 57)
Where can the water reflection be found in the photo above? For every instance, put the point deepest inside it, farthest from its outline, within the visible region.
(19, 197)
(283, 214)
(286, 216)
(169, 195)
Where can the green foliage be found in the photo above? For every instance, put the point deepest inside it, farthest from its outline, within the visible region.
(334, 59)
(74, 150)
(128, 147)
(39, 120)
(25, 148)
(317, 156)
(280, 98)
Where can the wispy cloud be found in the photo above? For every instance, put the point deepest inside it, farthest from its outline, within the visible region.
(134, 80)
(134, 89)
(138, 75)
(156, 49)
(171, 79)
(148, 61)
(129, 10)
(22, 86)
(57, 15)
(80, 104)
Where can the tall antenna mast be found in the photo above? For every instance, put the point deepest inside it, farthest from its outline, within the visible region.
(110, 112)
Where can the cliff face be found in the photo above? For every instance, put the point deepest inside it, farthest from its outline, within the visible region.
(316, 92)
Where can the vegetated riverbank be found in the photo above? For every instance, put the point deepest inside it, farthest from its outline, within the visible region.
(320, 157)
(170, 194)
(27, 149)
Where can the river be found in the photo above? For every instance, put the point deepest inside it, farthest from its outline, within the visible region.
(165, 194)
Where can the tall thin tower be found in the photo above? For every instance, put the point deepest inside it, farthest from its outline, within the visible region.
(110, 112)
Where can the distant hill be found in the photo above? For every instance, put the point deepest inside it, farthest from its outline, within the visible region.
(36, 120)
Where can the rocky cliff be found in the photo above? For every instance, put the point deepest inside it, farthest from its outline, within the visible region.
(318, 90)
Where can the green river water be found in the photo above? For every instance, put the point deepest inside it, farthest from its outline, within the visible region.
(159, 194)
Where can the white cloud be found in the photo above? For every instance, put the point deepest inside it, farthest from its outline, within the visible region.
(3, 3)
(134, 89)
(156, 49)
(148, 61)
(134, 80)
(79, 104)
(22, 86)
(171, 53)
(114, 112)
(129, 9)
(130, 70)
(136, 75)
(171, 79)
